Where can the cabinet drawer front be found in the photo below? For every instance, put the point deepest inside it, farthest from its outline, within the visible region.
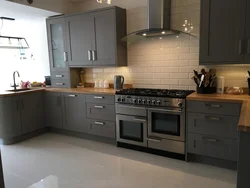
(222, 108)
(102, 128)
(60, 75)
(101, 99)
(100, 111)
(60, 83)
(211, 146)
(215, 125)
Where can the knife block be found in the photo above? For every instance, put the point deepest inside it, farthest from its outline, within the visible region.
(206, 90)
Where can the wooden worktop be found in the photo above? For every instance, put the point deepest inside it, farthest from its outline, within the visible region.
(62, 90)
(244, 122)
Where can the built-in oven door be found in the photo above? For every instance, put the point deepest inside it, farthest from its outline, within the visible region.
(166, 123)
(131, 130)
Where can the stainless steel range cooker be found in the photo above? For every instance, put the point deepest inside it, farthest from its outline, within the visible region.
(152, 118)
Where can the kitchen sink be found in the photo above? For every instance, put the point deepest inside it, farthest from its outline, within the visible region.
(19, 90)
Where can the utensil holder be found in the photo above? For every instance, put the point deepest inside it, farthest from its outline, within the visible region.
(248, 86)
(206, 90)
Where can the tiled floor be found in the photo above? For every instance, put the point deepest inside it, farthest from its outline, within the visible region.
(66, 162)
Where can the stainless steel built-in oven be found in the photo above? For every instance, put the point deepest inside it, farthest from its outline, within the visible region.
(166, 123)
(131, 125)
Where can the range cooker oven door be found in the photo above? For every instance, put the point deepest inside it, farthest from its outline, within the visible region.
(166, 123)
(131, 130)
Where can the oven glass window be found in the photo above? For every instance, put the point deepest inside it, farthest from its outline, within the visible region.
(166, 123)
(131, 131)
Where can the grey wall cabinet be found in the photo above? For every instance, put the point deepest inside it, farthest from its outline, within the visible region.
(247, 55)
(74, 112)
(222, 36)
(32, 112)
(80, 39)
(53, 110)
(91, 39)
(10, 119)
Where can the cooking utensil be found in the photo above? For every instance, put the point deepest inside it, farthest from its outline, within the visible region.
(248, 73)
(196, 80)
(202, 79)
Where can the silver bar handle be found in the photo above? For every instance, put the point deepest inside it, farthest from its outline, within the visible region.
(248, 46)
(72, 95)
(213, 118)
(165, 110)
(65, 56)
(97, 97)
(153, 140)
(101, 107)
(59, 84)
(99, 123)
(90, 55)
(210, 139)
(141, 120)
(94, 55)
(240, 47)
(213, 105)
(59, 76)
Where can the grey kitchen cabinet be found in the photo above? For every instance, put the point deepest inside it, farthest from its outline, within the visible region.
(32, 112)
(100, 99)
(10, 117)
(101, 128)
(80, 39)
(53, 110)
(222, 34)
(74, 112)
(56, 32)
(247, 47)
(101, 111)
(110, 27)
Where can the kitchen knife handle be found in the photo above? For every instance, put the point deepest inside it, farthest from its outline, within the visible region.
(248, 46)
(90, 55)
(65, 56)
(240, 47)
(99, 123)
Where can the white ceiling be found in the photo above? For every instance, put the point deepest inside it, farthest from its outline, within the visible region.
(18, 11)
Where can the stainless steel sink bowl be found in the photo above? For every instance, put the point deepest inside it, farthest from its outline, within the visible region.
(19, 90)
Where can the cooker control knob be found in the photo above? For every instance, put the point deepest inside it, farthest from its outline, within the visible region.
(153, 102)
(123, 100)
(158, 102)
(180, 104)
(143, 101)
(134, 101)
(139, 101)
(148, 101)
(119, 99)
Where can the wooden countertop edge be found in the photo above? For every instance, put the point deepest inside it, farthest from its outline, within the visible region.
(244, 121)
(73, 90)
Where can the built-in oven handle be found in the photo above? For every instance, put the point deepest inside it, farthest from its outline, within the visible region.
(129, 106)
(165, 110)
(141, 120)
(154, 140)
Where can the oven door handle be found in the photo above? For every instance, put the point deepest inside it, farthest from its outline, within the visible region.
(140, 120)
(154, 140)
(165, 110)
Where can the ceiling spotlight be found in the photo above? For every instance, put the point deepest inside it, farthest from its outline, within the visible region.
(163, 32)
(144, 34)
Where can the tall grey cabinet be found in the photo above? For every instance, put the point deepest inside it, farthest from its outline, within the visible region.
(90, 39)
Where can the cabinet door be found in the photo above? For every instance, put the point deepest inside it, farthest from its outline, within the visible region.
(74, 109)
(247, 56)
(10, 121)
(32, 112)
(57, 45)
(53, 110)
(222, 31)
(105, 37)
(80, 39)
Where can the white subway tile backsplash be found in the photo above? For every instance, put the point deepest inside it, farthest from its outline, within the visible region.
(168, 62)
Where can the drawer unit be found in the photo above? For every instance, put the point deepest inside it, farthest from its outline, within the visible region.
(212, 146)
(101, 99)
(102, 128)
(60, 83)
(222, 108)
(60, 75)
(101, 111)
(215, 125)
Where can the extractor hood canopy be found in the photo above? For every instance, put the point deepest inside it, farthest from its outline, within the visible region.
(159, 22)
(12, 42)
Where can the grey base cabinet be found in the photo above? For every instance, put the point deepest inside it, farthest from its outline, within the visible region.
(74, 112)
(53, 110)
(10, 117)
